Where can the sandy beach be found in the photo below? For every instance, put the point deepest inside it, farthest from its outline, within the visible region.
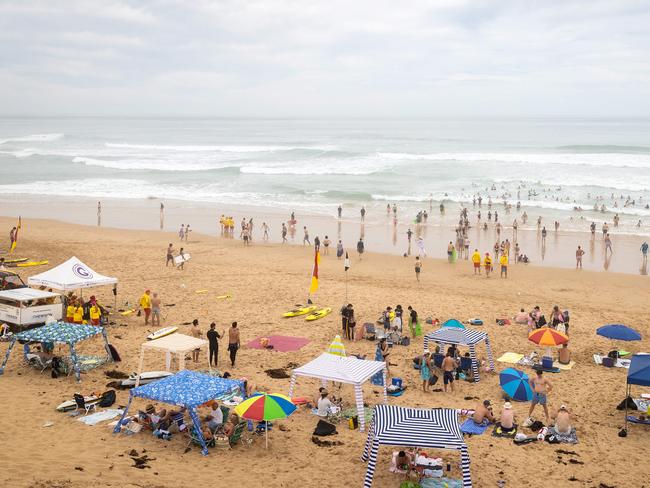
(267, 279)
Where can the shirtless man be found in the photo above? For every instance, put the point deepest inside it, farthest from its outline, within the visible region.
(579, 253)
(233, 342)
(155, 310)
(196, 332)
(170, 254)
(483, 411)
(541, 388)
(507, 419)
(563, 420)
(448, 367)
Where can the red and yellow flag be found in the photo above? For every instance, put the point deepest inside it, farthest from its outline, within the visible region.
(314, 275)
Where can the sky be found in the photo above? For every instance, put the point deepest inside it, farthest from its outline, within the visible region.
(328, 58)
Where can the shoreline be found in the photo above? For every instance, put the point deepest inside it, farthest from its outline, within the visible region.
(379, 237)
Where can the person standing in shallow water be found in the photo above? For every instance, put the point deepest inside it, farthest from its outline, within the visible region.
(360, 247)
(579, 253)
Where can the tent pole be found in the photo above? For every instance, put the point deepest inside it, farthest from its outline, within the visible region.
(267, 434)
(140, 365)
(627, 394)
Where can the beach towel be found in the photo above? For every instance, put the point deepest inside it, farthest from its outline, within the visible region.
(538, 367)
(472, 428)
(498, 431)
(635, 420)
(564, 367)
(511, 358)
(95, 418)
(279, 343)
(553, 436)
(440, 483)
(619, 363)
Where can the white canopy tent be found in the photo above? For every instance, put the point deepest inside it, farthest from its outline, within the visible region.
(180, 344)
(71, 275)
(328, 367)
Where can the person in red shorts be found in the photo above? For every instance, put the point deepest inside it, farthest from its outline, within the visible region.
(145, 304)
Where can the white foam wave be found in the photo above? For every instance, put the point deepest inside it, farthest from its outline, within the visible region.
(152, 164)
(593, 159)
(201, 148)
(34, 138)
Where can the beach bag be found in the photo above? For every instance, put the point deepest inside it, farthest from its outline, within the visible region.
(353, 422)
(107, 399)
(112, 353)
(433, 379)
(405, 341)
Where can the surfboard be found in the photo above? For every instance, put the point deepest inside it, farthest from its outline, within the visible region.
(31, 263)
(178, 260)
(223, 297)
(201, 292)
(15, 260)
(72, 405)
(146, 377)
(300, 311)
(165, 331)
(319, 314)
(128, 312)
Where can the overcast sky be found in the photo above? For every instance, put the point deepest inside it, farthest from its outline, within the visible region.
(277, 58)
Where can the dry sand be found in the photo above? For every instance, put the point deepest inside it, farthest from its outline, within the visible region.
(266, 280)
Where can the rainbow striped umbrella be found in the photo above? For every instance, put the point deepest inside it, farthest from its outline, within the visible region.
(336, 347)
(265, 407)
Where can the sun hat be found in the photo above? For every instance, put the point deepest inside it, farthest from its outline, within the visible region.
(507, 406)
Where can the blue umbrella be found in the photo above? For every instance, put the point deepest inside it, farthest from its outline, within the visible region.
(515, 384)
(453, 323)
(618, 332)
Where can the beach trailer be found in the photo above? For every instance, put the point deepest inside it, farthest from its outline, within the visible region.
(24, 307)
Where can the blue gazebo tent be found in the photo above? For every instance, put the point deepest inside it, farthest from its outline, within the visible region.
(463, 337)
(435, 428)
(60, 333)
(638, 374)
(187, 389)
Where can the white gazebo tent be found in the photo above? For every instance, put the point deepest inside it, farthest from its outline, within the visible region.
(328, 367)
(71, 275)
(180, 344)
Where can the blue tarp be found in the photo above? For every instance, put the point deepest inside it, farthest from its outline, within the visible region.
(58, 332)
(186, 389)
(639, 372)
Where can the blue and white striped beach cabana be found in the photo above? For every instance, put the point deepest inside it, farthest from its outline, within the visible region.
(435, 428)
(328, 367)
(462, 337)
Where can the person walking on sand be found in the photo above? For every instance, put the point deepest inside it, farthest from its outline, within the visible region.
(487, 264)
(246, 235)
(284, 233)
(316, 244)
(425, 371)
(170, 255)
(326, 245)
(155, 310)
(448, 368)
(181, 232)
(476, 261)
(644, 251)
(503, 261)
(360, 248)
(339, 249)
(413, 321)
(608, 244)
(579, 253)
(363, 213)
(187, 232)
(233, 342)
(420, 243)
(305, 238)
(265, 229)
(418, 267)
(213, 338)
(145, 305)
(340, 211)
(541, 388)
(181, 253)
(196, 333)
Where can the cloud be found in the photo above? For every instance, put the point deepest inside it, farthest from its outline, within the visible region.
(311, 58)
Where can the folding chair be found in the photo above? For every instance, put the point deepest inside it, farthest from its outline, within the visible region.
(81, 403)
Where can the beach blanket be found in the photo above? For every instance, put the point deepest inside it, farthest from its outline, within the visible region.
(564, 367)
(511, 358)
(95, 418)
(280, 343)
(553, 435)
(620, 363)
(634, 420)
(440, 483)
(472, 428)
(498, 431)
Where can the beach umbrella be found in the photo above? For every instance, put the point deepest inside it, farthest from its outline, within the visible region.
(336, 347)
(548, 337)
(618, 332)
(265, 407)
(515, 384)
(453, 323)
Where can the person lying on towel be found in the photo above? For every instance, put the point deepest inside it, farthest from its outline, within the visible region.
(483, 413)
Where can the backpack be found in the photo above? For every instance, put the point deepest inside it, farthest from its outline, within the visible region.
(107, 399)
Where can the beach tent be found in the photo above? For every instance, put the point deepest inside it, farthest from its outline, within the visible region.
(453, 323)
(180, 344)
(462, 337)
(435, 428)
(62, 333)
(71, 275)
(187, 389)
(351, 370)
(638, 374)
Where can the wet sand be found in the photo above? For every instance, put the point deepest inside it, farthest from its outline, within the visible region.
(379, 232)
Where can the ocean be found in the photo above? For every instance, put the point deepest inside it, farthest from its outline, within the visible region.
(311, 166)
